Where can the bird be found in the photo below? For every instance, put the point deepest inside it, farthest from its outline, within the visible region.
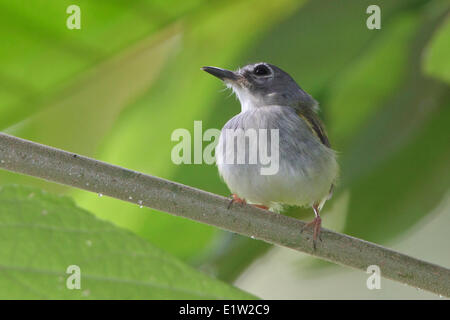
(307, 165)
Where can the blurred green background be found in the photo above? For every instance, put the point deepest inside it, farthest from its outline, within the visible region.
(117, 88)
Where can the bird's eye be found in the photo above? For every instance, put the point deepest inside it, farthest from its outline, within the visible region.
(261, 70)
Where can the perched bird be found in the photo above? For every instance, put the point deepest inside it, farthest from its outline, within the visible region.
(307, 168)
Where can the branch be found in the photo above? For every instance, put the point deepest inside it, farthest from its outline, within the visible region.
(70, 169)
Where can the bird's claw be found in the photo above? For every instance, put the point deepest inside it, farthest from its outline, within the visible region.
(236, 199)
(316, 224)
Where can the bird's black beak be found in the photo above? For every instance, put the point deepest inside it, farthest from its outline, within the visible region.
(222, 74)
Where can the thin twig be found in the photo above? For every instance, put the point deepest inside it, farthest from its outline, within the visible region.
(63, 167)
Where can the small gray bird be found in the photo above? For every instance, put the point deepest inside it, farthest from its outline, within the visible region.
(307, 168)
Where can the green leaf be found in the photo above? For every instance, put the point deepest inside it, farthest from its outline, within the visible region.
(43, 234)
(436, 61)
(42, 60)
(93, 103)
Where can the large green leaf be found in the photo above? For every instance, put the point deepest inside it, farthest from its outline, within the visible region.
(41, 59)
(43, 234)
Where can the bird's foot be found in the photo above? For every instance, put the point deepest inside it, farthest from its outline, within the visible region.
(316, 224)
(236, 199)
(261, 206)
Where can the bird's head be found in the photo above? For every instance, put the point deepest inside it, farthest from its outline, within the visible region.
(262, 84)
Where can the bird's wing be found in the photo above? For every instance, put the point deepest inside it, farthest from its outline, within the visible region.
(314, 123)
(318, 129)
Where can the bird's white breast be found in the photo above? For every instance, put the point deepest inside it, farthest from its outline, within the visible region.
(307, 168)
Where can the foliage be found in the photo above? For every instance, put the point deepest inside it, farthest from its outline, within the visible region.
(116, 89)
(42, 235)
